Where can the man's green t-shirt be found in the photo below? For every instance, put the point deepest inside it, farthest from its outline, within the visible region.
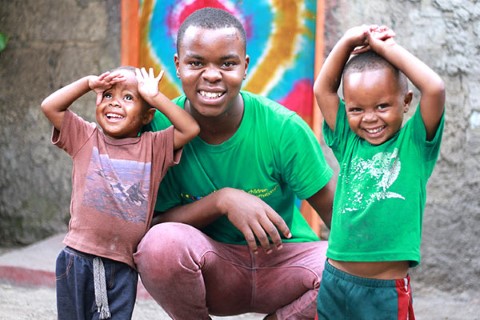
(381, 192)
(274, 155)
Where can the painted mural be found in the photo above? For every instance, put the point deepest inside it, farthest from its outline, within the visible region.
(280, 43)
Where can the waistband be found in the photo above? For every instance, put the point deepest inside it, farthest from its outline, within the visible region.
(366, 281)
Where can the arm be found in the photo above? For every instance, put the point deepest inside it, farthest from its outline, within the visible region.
(185, 127)
(330, 76)
(249, 214)
(429, 83)
(322, 202)
(55, 105)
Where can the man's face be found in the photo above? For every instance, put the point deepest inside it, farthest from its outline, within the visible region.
(375, 104)
(212, 64)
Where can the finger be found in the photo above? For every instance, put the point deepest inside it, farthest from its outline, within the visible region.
(160, 75)
(99, 98)
(150, 73)
(262, 237)
(144, 72)
(103, 75)
(251, 242)
(278, 226)
(361, 49)
(138, 73)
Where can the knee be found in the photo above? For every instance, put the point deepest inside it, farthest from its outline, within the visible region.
(159, 243)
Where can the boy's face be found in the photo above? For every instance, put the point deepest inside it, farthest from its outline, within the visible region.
(122, 111)
(375, 104)
(212, 63)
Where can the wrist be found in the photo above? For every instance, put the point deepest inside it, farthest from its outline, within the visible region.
(221, 201)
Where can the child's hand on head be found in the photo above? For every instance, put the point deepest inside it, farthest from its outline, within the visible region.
(104, 82)
(147, 82)
(380, 36)
(358, 37)
(362, 36)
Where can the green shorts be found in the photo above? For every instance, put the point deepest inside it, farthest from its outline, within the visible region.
(344, 296)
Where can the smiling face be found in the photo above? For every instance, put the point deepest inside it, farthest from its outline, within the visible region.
(375, 103)
(122, 111)
(212, 64)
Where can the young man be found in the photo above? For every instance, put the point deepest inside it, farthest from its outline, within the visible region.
(384, 168)
(230, 238)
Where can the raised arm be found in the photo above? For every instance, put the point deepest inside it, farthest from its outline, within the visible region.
(431, 86)
(185, 127)
(330, 76)
(55, 105)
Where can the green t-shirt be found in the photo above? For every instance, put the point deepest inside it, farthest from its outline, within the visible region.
(274, 155)
(381, 192)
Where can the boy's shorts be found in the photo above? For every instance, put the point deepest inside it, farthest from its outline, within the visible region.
(344, 296)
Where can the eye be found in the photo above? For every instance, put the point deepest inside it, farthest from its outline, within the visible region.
(382, 107)
(107, 95)
(229, 64)
(195, 63)
(354, 110)
(128, 97)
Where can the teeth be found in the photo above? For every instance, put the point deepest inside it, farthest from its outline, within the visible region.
(113, 115)
(374, 130)
(210, 95)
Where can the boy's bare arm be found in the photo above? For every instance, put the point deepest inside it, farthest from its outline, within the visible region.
(186, 128)
(330, 76)
(55, 105)
(431, 86)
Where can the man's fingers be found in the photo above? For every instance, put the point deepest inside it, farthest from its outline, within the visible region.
(251, 241)
(262, 237)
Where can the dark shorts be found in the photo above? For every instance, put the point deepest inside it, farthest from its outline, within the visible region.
(75, 286)
(344, 296)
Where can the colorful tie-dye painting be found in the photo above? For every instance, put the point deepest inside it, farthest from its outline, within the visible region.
(280, 43)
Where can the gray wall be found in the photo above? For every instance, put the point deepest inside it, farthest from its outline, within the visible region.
(53, 42)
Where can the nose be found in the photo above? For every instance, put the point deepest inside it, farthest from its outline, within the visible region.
(212, 74)
(114, 102)
(369, 116)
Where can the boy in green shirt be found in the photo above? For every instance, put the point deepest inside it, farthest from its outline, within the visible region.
(384, 168)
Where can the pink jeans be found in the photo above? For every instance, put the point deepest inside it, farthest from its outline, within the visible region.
(191, 276)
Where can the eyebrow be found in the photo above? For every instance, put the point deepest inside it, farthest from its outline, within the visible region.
(199, 57)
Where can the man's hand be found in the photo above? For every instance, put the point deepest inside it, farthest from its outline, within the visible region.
(255, 219)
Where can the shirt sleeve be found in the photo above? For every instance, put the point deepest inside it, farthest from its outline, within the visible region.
(302, 160)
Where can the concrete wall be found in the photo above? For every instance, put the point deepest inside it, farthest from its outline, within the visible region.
(51, 44)
(55, 42)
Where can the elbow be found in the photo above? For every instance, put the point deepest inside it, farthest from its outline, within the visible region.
(436, 88)
(44, 106)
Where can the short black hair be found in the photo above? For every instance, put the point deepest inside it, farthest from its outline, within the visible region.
(211, 18)
(371, 60)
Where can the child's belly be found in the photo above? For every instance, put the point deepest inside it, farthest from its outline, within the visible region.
(385, 270)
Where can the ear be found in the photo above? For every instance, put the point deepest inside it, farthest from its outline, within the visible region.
(247, 62)
(407, 100)
(148, 117)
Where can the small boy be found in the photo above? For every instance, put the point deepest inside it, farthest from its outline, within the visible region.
(116, 175)
(384, 168)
